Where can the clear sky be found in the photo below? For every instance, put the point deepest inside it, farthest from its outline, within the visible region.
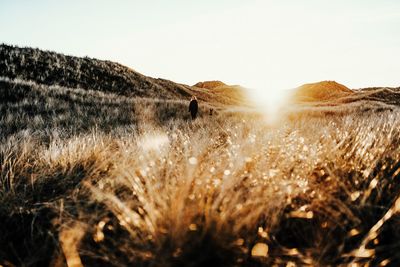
(261, 44)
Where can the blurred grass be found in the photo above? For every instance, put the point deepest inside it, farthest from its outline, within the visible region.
(106, 180)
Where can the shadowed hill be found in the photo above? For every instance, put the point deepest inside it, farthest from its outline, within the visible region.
(321, 91)
(386, 95)
(50, 68)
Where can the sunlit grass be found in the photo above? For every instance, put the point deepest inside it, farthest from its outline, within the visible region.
(227, 190)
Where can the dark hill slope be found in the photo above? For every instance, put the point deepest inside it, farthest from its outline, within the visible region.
(50, 68)
(385, 95)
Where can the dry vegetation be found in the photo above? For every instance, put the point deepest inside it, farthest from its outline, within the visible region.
(98, 179)
(50, 68)
(325, 90)
(101, 166)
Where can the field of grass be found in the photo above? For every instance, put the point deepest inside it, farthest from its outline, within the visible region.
(97, 179)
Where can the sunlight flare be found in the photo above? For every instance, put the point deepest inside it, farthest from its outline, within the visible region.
(272, 103)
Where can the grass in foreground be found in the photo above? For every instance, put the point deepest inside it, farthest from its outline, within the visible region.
(222, 191)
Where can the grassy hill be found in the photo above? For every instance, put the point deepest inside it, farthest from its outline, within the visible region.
(209, 84)
(236, 92)
(50, 68)
(321, 91)
(45, 90)
(329, 97)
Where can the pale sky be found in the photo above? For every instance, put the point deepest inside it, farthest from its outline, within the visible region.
(264, 45)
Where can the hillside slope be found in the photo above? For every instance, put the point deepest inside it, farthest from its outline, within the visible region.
(50, 68)
(236, 93)
(209, 84)
(321, 91)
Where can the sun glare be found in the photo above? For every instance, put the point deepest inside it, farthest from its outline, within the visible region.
(270, 102)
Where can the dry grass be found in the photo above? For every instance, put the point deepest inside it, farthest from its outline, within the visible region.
(51, 68)
(322, 91)
(156, 189)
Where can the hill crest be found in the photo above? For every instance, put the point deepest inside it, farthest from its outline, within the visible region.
(52, 68)
(210, 84)
(324, 90)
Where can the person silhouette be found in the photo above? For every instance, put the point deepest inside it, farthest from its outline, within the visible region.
(193, 107)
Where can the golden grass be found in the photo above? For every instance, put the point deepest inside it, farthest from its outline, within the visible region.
(222, 191)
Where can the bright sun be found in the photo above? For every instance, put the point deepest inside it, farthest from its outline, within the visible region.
(270, 102)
